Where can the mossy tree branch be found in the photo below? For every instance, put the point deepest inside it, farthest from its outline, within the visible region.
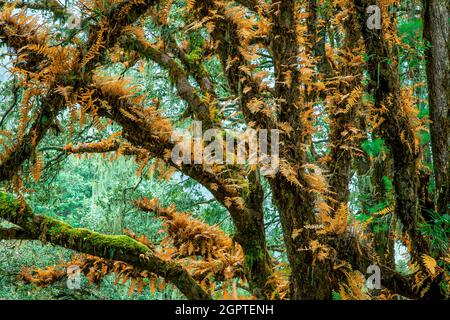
(114, 247)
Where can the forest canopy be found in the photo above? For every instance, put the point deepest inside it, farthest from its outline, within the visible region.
(216, 149)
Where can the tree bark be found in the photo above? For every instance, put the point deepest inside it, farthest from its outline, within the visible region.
(294, 203)
(396, 129)
(436, 34)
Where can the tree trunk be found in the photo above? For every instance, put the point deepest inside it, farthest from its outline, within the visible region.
(396, 128)
(436, 33)
(309, 278)
(295, 203)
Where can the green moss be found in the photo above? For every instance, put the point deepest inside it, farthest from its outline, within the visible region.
(195, 56)
(60, 233)
(82, 239)
(44, 120)
(252, 255)
(194, 59)
(175, 70)
(8, 204)
(387, 183)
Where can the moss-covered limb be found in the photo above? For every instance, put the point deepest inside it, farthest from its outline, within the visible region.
(103, 146)
(122, 248)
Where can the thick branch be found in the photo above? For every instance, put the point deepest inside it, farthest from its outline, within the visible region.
(122, 248)
(104, 146)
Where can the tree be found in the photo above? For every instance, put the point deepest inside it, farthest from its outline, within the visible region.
(436, 34)
(283, 65)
